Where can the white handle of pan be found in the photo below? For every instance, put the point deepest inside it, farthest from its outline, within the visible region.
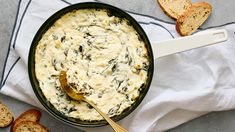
(168, 47)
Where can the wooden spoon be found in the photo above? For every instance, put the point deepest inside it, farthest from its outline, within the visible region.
(79, 96)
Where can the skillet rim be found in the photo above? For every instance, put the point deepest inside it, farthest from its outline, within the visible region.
(48, 23)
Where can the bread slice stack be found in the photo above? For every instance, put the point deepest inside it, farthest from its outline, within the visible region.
(26, 122)
(29, 120)
(174, 8)
(189, 16)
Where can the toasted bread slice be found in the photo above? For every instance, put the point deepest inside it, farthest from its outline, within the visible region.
(29, 126)
(6, 117)
(174, 8)
(29, 115)
(193, 18)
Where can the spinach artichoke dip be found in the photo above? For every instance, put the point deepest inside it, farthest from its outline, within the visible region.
(104, 58)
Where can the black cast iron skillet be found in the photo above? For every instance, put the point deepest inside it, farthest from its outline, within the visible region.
(113, 11)
(160, 49)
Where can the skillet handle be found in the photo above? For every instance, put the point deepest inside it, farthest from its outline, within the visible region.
(205, 38)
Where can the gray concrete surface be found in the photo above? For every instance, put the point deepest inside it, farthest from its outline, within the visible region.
(7, 17)
(213, 122)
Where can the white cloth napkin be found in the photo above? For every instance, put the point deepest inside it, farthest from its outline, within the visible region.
(185, 85)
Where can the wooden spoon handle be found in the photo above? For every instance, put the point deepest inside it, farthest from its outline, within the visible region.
(114, 125)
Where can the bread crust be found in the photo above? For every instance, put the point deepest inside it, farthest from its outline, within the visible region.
(169, 12)
(191, 11)
(7, 113)
(25, 117)
(30, 125)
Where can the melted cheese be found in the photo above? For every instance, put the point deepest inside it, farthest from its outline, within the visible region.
(103, 56)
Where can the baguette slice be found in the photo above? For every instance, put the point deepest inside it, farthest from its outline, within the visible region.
(193, 18)
(6, 117)
(174, 8)
(29, 115)
(29, 126)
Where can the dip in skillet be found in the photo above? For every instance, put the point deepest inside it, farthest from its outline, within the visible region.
(104, 58)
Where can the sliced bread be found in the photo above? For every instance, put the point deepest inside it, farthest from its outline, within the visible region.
(29, 115)
(174, 8)
(193, 18)
(29, 126)
(6, 117)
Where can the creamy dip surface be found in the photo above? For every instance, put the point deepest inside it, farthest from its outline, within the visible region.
(104, 57)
